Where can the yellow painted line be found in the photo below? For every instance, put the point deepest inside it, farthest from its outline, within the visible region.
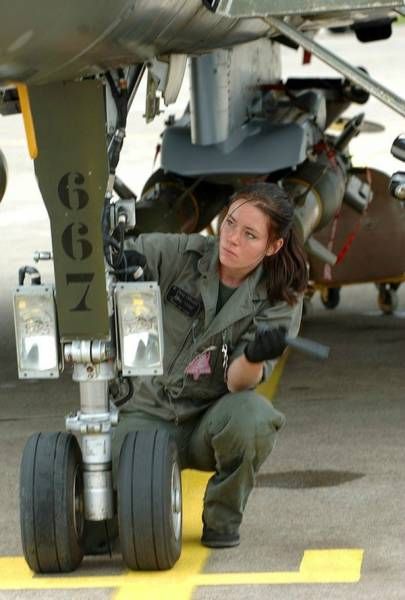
(269, 388)
(317, 566)
(23, 96)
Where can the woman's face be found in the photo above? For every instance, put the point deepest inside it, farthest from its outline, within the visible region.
(244, 237)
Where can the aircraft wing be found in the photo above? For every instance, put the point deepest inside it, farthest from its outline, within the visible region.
(52, 40)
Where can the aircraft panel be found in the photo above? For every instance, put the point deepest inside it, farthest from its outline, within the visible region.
(327, 8)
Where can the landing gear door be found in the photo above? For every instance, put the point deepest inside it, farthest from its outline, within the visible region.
(72, 172)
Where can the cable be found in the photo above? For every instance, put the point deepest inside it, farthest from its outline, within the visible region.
(129, 394)
(120, 96)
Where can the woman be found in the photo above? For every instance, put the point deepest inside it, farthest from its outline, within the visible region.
(226, 306)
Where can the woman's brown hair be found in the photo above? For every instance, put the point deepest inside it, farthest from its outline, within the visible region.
(286, 271)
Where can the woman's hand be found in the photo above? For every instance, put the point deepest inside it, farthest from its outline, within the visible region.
(246, 371)
(267, 345)
(243, 375)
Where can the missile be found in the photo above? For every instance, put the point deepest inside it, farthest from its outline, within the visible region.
(310, 347)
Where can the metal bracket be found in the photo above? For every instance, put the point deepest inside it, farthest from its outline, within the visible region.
(165, 76)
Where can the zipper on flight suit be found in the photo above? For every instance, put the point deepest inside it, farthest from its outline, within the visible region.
(225, 356)
(167, 391)
(191, 330)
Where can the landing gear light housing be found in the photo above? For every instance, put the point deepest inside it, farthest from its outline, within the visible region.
(139, 314)
(36, 332)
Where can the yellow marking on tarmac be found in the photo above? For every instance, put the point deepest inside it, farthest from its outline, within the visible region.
(23, 96)
(317, 566)
(269, 388)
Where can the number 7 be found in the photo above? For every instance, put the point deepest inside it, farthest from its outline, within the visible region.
(80, 278)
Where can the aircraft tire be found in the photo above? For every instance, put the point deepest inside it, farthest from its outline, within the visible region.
(330, 297)
(149, 501)
(51, 503)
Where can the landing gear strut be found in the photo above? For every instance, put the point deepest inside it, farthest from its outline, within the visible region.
(64, 486)
(387, 297)
(330, 297)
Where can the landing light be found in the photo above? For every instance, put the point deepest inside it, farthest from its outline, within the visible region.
(139, 316)
(36, 332)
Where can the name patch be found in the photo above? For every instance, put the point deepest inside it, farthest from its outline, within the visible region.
(182, 300)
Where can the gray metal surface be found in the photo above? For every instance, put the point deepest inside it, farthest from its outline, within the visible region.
(209, 98)
(224, 88)
(273, 147)
(105, 34)
(356, 75)
(250, 8)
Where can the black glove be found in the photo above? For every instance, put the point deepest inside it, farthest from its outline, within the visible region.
(135, 258)
(268, 344)
(132, 267)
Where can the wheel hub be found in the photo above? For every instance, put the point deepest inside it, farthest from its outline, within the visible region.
(176, 500)
(78, 503)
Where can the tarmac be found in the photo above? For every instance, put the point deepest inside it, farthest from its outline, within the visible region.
(325, 519)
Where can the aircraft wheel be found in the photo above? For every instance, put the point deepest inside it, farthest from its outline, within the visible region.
(330, 297)
(51, 502)
(149, 501)
(387, 298)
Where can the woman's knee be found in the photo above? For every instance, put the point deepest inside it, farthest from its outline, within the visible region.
(252, 412)
(249, 423)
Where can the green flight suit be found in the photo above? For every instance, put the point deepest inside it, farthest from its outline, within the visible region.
(229, 433)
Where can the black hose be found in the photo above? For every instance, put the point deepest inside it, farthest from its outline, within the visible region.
(125, 399)
(120, 244)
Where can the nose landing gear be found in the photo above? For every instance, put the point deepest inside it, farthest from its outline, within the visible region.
(330, 297)
(387, 297)
(52, 502)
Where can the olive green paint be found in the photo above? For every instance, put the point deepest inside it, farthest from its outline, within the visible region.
(72, 172)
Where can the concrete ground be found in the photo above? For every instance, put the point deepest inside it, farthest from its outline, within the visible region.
(335, 482)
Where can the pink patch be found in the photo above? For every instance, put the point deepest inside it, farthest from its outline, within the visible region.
(200, 365)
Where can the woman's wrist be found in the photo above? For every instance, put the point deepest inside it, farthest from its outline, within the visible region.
(243, 374)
